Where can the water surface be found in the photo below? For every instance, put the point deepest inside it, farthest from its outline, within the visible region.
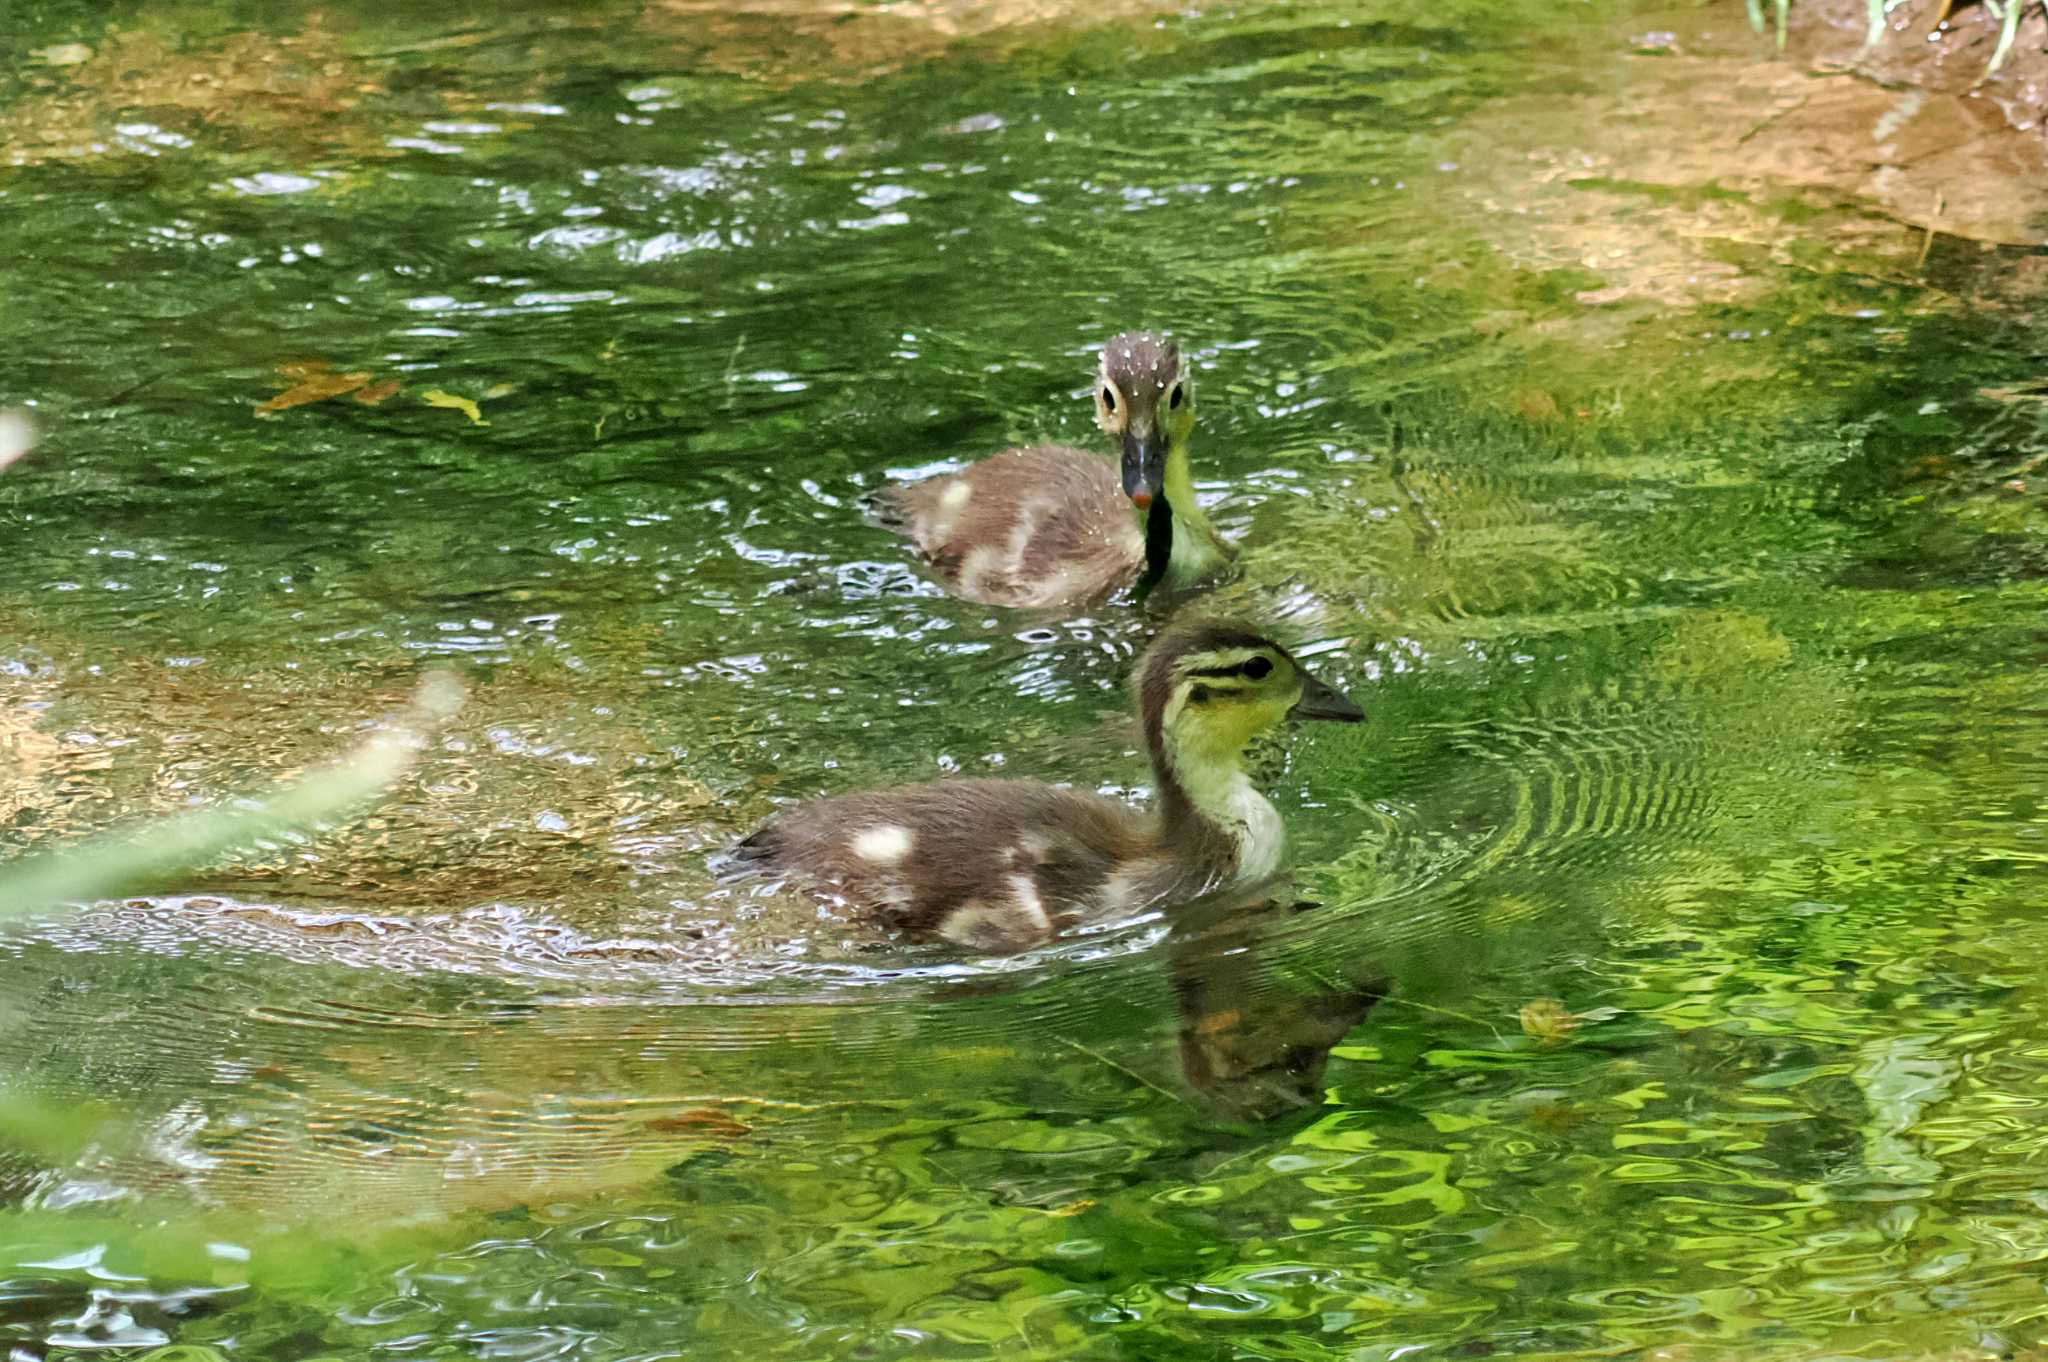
(1692, 585)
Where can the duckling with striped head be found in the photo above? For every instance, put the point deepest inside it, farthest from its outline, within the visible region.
(1004, 865)
(1049, 525)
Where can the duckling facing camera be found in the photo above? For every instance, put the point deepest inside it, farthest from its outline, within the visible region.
(1004, 865)
(1048, 525)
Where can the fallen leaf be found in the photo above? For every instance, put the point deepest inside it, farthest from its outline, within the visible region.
(1556, 1117)
(1546, 1020)
(377, 392)
(2036, 391)
(63, 54)
(700, 1121)
(312, 381)
(1072, 1208)
(435, 397)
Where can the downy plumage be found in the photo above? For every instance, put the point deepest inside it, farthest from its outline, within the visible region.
(1002, 865)
(1050, 525)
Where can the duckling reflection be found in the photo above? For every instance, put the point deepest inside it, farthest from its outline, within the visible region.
(1004, 865)
(1047, 525)
(1256, 1031)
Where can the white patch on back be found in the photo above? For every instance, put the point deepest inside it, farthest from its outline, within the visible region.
(1119, 892)
(1012, 924)
(945, 512)
(884, 845)
(1032, 846)
(1030, 908)
(987, 565)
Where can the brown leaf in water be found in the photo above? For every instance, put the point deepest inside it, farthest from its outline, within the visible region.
(312, 381)
(2037, 391)
(377, 392)
(1546, 1020)
(700, 1121)
(1558, 1118)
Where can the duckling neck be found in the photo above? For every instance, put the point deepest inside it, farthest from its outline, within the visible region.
(1208, 804)
(1197, 548)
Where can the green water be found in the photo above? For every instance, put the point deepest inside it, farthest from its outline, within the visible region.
(1702, 643)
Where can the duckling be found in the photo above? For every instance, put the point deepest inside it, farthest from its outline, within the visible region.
(1004, 865)
(1046, 525)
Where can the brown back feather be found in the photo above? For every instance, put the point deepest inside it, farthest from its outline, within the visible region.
(1039, 525)
(965, 837)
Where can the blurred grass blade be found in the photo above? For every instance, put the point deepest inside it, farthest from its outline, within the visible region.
(1782, 6)
(1756, 15)
(1873, 28)
(2009, 30)
(16, 436)
(120, 861)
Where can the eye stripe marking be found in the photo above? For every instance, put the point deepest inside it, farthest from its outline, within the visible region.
(1250, 669)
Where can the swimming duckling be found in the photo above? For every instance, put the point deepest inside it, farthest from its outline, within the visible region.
(1047, 525)
(1003, 865)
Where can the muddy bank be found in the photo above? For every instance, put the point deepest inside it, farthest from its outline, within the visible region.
(1698, 162)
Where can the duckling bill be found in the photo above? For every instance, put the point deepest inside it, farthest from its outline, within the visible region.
(1047, 525)
(1004, 865)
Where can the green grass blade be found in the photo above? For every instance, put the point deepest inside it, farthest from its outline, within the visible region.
(1873, 28)
(105, 866)
(1756, 14)
(2006, 33)
(1782, 5)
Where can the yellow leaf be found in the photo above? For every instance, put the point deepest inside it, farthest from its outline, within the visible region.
(435, 397)
(312, 381)
(1546, 1020)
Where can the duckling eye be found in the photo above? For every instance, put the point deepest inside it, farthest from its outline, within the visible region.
(1258, 669)
(1109, 400)
(1173, 402)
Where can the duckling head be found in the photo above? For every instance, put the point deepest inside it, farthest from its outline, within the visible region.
(1207, 688)
(1145, 397)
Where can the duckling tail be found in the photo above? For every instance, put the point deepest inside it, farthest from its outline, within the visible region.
(884, 507)
(758, 847)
